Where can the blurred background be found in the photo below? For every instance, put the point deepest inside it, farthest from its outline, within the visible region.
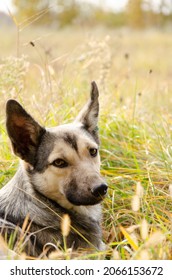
(53, 49)
(49, 47)
(109, 13)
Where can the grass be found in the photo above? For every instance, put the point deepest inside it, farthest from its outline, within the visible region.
(51, 78)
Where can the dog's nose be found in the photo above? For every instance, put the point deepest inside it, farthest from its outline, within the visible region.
(99, 190)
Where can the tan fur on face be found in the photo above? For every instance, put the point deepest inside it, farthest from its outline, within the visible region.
(81, 166)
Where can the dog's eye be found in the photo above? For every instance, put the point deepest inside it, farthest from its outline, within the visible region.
(93, 152)
(60, 163)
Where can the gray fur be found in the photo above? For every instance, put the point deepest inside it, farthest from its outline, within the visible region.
(43, 191)
(72, 141)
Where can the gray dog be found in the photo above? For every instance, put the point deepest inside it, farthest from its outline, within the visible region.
(59, 174)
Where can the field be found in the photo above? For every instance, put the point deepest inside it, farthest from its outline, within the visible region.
(50, 72)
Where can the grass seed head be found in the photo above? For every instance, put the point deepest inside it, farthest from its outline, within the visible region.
(144, 229)
(170, 189)
(135, 203)
(115, 255)
(65, 225)
(155, 239)
(144, 255)
(139, 190)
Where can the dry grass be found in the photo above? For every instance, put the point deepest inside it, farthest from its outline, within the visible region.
(133, 71)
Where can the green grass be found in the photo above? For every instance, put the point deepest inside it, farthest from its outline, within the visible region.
(133, 72)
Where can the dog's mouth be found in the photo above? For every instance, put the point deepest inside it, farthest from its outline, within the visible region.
(85, 201)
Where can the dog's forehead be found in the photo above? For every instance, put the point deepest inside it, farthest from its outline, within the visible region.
(65, 128)
(70, 137)
(72, 133)
(63, 141)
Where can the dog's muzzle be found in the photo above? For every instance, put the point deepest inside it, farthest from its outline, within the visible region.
(100, 190)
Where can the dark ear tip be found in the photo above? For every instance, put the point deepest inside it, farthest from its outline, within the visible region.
(94, 90)
(93, 83)
(11, 102)
(11, 105)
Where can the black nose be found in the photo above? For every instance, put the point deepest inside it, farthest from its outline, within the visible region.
(99, 190)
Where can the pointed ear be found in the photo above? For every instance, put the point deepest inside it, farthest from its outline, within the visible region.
(88, 116)
(24, 132)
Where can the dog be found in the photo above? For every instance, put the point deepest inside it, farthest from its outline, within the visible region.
(59, 173)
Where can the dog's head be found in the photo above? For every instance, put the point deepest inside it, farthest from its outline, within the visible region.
(63, 162)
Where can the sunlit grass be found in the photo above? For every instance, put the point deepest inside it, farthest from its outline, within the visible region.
(133, 75)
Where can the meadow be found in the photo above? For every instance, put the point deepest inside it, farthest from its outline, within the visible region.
(49, 71)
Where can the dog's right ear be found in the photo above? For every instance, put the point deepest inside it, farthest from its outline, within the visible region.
(24, 132)
(88, 116)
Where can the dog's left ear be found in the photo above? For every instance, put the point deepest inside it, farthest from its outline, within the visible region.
(88, 116)
(24, 132)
